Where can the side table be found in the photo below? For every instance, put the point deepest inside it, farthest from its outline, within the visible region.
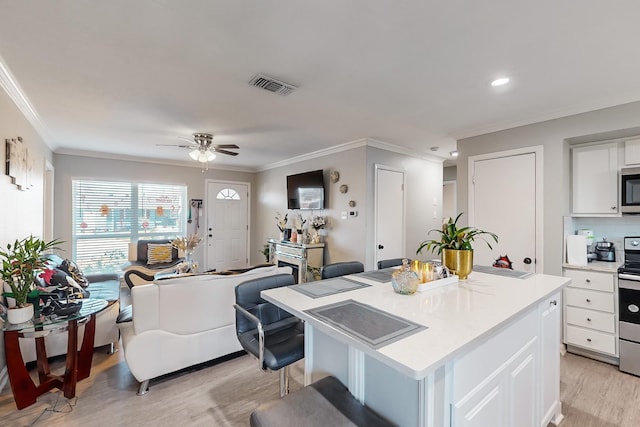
(78, 363)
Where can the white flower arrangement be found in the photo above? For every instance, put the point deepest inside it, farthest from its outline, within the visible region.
(317, 222)
(282, 221)
(299, 221)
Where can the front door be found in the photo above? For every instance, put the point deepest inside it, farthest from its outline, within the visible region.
(389, 214)
(505, 198)
(227, 229)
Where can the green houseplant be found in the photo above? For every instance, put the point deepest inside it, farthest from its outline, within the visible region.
(455, 245)
(21, 261)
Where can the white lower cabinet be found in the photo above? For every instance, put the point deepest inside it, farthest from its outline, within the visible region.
(590, 313)
(523, 387)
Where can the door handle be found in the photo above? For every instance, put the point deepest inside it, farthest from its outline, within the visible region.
(380, 246)
(210, 235)
(527, 260)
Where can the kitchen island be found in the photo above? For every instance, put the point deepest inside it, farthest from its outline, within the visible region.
(485, 351)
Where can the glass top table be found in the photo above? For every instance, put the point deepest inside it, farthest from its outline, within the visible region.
(44, 325)
(78, 362)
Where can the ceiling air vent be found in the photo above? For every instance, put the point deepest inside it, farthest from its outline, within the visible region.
(272, 85)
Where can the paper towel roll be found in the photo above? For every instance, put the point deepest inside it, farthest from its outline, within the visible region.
(576, 249)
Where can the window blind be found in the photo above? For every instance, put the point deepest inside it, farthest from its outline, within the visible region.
(107, 216)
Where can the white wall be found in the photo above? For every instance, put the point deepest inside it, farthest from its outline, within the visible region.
(22, 211)
(69, 167)
(344, 237)
(353, 239)
(552, 135)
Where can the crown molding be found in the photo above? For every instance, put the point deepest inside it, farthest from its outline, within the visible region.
(122, 157)
(15, 92)
(362, 142)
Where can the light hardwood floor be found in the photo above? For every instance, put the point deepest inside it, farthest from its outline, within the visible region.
(593, 394)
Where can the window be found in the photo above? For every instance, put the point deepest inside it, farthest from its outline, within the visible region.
(228, 194)
(107, 216)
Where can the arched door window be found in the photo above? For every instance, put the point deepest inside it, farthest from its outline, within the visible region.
(228, 194)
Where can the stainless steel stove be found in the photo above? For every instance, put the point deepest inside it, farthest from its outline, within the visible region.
(629, 307)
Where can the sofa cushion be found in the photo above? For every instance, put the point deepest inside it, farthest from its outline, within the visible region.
(104, 286)
(159, 253)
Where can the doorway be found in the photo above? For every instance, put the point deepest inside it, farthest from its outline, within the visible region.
(389, 214)
(505, 197)
(227, 226)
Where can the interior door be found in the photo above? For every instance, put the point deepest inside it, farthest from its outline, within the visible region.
(227, 233)
(389, 214)
(504, 198)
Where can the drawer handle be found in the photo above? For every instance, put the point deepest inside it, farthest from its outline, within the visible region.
(588, 339)
(588, 319)
(588, 280)
(588, 300)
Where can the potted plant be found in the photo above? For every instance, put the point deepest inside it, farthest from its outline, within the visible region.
(21, 261)
(455, 247)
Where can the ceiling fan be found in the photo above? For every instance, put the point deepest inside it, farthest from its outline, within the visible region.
(203, 149)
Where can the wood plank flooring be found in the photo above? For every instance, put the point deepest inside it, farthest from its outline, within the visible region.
(593, 394)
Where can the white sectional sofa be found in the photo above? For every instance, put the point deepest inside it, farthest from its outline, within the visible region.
(182, 321)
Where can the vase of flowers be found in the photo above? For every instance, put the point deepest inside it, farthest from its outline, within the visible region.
(317, 223)
(21, 261)
(187, 245)
(281, 223)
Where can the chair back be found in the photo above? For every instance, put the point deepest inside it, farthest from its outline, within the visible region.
(248, 297)
(386, 263)
(341, 269)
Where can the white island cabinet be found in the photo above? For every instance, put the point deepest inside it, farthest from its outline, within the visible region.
(488, 353)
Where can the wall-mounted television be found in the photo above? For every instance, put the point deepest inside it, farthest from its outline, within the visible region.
(306, 190)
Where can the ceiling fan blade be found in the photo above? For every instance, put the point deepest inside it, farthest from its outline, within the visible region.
(177, 145)
(227, 146)
(230, 153)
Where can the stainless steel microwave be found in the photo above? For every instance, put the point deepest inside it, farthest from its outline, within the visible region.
(630, 190)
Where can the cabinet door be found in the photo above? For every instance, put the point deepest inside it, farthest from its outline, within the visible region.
(549, 311)
(523, 387)
(485, 405)
(595, 179)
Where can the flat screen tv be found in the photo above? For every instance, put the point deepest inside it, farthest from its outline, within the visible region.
(306, 190)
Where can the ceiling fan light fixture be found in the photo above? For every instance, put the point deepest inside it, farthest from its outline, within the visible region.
(202, 156)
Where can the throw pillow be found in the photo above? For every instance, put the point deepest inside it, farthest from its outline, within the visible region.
(158, 253)
(75, 272)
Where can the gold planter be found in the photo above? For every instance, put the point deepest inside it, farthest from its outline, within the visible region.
(460, 262)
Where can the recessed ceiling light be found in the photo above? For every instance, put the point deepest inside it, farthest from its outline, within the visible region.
(500, 81)
(454, 153)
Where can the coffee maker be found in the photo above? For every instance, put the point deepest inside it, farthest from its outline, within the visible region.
(605, 251)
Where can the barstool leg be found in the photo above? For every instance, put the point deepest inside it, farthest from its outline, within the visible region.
(284, 381)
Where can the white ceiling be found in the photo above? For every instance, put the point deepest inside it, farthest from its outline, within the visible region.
(115, 78)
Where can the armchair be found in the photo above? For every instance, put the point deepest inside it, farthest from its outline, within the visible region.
(140, 269)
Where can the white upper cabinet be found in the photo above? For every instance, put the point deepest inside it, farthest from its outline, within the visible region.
(595, 180)
(632, 152)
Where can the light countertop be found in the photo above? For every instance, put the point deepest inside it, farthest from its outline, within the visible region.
(606, 267)
(457, 316)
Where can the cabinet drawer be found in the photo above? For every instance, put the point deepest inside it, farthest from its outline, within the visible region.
(589, 299)
(593, 340)
(595, 280)
(605, 322)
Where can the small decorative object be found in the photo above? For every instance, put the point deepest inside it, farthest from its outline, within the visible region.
(317, 223)
(344, 188)
(187, 245)
(503, 262)
(281, 224)
(21, 261)
(352, 203)
(294, 235)
(334, 176)
(404, 280)
(455, 246)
